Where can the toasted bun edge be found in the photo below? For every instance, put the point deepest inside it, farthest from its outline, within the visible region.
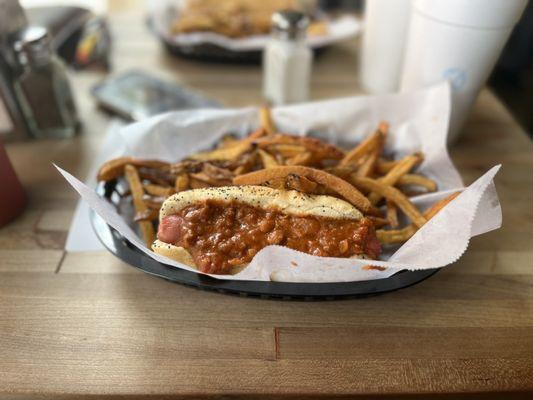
(287, 201)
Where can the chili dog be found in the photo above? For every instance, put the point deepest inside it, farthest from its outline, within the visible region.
(218, 230)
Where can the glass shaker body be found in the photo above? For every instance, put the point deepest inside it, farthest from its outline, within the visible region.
(287, 60)
(287, 72)
(46, 99)
(43, 89)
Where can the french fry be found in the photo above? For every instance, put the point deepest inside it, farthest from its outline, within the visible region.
(240, 170)
(195, 183)
(418, 180)
(149, 215)
(342, 171)
(229, 153)
(182, 182)
(223, 176)
(317, 147)
(159, 176)
(395, 236)
(404, 166)
(265, 120)
(246, 163)
(303, 158)
(393, 194)
(378, 221)
(384, 166)
(256, 134)
(435, 208)
(158, 190)
(335, 184)
(211, 181)
(137, 192)
(366, 145)
(113, 169)
(286, 150)
(279, 158)
(267, 159)
(373, 268)
(153, 202)
(320, 149)
(392, 214)
(186, 166)
(227, 141)
(368, 165)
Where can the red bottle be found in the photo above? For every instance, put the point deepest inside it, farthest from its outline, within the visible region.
(12, 196)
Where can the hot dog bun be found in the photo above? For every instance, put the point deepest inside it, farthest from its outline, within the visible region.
(286, 201)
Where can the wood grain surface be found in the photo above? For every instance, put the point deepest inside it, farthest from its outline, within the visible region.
(87, 325)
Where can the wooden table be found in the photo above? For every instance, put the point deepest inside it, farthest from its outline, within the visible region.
(87, 324)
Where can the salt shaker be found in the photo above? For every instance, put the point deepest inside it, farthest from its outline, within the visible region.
(43, 89)
(287, 59)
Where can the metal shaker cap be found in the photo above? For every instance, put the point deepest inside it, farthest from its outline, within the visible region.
(289, 24)
(33, 45)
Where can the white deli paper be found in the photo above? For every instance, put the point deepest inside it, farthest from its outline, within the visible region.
(418, 122)
(81, 236)
(164, 13)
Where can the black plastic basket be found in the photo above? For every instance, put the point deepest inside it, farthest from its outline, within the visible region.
(123, 249)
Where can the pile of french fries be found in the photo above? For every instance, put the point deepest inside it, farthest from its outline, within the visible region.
(235, 18)
(379, 187)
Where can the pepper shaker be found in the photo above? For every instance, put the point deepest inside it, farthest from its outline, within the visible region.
(287, 59)
(43, 89)
(12, 21)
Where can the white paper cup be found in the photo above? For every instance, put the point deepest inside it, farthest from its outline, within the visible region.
(459, 41)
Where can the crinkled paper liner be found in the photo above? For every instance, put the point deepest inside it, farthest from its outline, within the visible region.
(419, 121)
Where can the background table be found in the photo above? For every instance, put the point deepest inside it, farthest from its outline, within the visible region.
(85, 323)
